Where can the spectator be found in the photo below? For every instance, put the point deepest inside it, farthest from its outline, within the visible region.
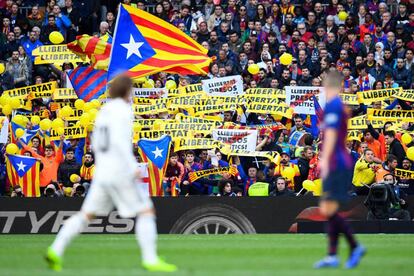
(387, 167)
(35, 18)
(73, 14)
(395, 147)
(18, 69)
(30, 44)
(364, 172)
(67, 168)
(281, 188)
(401, 75)
(48, 29)
(50, 162)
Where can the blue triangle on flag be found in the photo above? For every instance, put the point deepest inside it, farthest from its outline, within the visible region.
(21, 164)
(156, 150)
(129, 47)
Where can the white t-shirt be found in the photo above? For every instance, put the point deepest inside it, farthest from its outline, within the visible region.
(112, 143)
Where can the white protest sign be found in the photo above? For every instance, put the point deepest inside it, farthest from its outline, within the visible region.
(239, 139)
(149, 92)
(301, 98)
(224, 87)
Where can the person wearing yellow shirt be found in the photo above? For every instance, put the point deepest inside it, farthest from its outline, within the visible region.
(364, 172)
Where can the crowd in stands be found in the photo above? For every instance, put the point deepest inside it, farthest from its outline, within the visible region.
(373, 48)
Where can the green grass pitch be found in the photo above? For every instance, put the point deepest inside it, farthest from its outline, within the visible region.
(285, 254)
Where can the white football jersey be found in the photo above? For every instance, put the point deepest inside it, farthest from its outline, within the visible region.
(112, 143)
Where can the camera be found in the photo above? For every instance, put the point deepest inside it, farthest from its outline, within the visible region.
(79, 191)
(18, 192)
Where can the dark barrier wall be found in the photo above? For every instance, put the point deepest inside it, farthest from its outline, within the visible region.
(191, 215)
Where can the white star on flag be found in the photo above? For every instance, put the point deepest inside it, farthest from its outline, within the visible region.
(157, 152)
(21, 166)
(133, 47)
(25, 136)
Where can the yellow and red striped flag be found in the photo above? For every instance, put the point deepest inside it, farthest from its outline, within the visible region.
(24, 171)
(144, 44)
(96, 49)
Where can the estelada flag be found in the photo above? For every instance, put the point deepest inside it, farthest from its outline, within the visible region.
(156, 154)
(24, 171)
(144, 44)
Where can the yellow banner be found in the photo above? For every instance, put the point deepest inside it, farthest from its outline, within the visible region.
(193, 176)
(198, 87)
(404, 174)
(148, 123)
(149, 109)
(406, 95)
(349, 99)
(354, 135)
(198, 143)
(198, 128)
(152, 134)
(239, 100)
(370, 96)
(58, 105)
(64, 94)
(276, 109)
(207, 109)
(57, 58)
(70, 133)
(360, 122)
(264, 100)
(50, 49)
(25, 91)
(197, 120)
(278, 93)
(390, 115)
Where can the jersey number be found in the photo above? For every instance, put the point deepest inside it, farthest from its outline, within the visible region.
(103, 139)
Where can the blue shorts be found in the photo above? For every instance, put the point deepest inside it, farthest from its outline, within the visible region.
(337, 185)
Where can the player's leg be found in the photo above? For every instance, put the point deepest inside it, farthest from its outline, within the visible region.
(97, 202)
(328, 208)
(131, 204)
(72, 228)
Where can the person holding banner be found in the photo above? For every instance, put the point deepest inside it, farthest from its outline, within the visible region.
(336, 173)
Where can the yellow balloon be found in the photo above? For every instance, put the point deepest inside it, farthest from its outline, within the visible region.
(170, 84)
(25, 120)
(96, 103)
(309, 185)
(57, 123)
(410, 153)
(2, 68)
(74, 178)
(18, 119)
(60, 130)
(12, 148)
(66, 111)
(286, 59)
(342, 15)
(157, 124)
(90, 127)
(152, 83)
(19, 132)
(14, 103)
(87, 106)
(56, 37)
(79, 103)
(84, 119)
(317, 191)
(45, 124)
(288, 173)
(4, 99)
(7, 109)
(92, 114)
(406, 138)
(253, 69)
(35, 120)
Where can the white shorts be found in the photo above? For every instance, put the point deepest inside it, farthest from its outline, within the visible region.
(129, 199)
